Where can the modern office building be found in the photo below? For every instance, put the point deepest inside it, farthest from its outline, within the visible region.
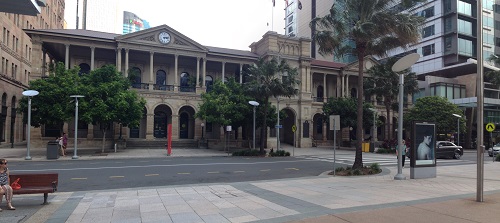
(103, 16)
(133, 23)
(16, 52)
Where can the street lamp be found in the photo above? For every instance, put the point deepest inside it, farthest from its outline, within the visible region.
(75, 155)
(374, 127)
(401, 65)
(254, 104)
(29, 94)
(202, 127)
(458, 128)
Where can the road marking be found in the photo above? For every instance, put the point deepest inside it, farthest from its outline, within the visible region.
(144, 161)
(83, 178)
(153, 174)
(214, 172)
(239, 171)
(162, 165)
(116, 176)
(183, 173)
(291, 169)
(265, 170)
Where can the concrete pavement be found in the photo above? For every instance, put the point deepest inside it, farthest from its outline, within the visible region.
(448, 198)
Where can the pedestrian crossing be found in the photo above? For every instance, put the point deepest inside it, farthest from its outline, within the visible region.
(382, 160)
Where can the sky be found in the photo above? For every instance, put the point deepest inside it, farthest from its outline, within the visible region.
(233, 24)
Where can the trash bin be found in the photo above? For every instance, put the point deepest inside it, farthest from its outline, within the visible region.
(365, 147)
(53, 150)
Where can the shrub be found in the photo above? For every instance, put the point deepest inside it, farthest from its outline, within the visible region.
(497, 158)
(375, 167)
(279, 153)
(356, 172)
(338, 169)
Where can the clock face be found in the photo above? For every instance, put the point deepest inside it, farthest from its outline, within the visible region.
(164, 37)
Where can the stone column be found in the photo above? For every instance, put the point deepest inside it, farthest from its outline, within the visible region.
(325, 133)
(44, 62)
(66, 57)
(126, 62)
(92, 54)
(223, 71)
(119, 59)
(324, 88)
(151, 68)
(176, 73)
(175, 127)
(150, 125)
(204, 70)
(241, 73)
(197, 72)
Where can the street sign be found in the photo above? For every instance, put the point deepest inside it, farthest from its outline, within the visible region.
(294, 128)
(335, 119)
(490, 127)
(278, 126)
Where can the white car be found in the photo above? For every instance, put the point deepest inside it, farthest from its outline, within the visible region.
(495, 150)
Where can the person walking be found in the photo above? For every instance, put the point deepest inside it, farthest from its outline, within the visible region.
(5, 185)
(65, 142)
(404, 149)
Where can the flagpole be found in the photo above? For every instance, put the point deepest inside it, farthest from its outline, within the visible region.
(272, 19)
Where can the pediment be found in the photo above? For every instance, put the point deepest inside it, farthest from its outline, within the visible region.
(369, 62)
(151, 36)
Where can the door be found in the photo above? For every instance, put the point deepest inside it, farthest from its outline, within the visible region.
(184, 126)
(160, 125)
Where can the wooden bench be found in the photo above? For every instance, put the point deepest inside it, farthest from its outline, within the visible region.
(36, 183)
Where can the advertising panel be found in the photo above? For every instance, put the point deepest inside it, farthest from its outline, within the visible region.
(423, 152)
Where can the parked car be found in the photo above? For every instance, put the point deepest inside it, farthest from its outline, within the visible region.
(446, 149)
(494, 150)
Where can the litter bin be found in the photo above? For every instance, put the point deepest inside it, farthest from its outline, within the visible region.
(365, 147)
(53, 150)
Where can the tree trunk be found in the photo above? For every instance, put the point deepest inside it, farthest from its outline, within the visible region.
(103, 139)
(358, 161)
(388, 136)
(263, 129)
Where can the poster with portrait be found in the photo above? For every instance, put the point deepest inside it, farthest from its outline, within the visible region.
(424, 143)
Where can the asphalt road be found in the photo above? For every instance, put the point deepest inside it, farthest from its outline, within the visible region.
(84, 175)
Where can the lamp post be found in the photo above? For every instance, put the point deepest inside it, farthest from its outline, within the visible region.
(29, 94)
(254, 104)
(278, 126)
(75, 155)
(458, 128)
(202, 127)
(374, 127)
(401, 65)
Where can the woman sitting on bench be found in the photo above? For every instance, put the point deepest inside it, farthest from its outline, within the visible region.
(5, 185)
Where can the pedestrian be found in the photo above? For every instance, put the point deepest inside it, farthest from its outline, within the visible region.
(61, 146)
(65, 142)
(5, 185)
(404, 149)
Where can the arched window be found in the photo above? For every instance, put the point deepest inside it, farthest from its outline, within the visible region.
(84, 69)
(135, 77)
(354, 93)
(161, 77)
(319, 94)
(209, 81)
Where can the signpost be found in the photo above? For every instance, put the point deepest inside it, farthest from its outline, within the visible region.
(490, 127)
(294, 129)
(334, 125)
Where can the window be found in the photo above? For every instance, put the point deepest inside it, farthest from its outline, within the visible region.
(464, 27)
(488, 38)
(488, 21)
(447, 90)
(488, 4)
(448, 25)
(465, 47)
(426, 13)
(290, 29)
(448, 42)
(464, 8)
(428, 50)
(428, 31)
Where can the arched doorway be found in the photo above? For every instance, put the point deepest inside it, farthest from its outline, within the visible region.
(286, 133)
(135, 132)
(318, 127)
(162, 117)
(186, 122)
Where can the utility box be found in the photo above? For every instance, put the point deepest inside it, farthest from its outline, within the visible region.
(53, 150)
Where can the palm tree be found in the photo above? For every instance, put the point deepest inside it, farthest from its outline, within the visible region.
(374, 27)
(384, 83)
(271, 78)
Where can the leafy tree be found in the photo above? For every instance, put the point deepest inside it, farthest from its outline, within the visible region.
(267, 79)
(346, 109)
(373, 27)
(52, 106)
(493, 76)
(384, 83)
(437, 110)
(108, 100)
(225, 104)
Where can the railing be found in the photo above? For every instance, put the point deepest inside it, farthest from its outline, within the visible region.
(317, 99)
(187, 89)
(162, 87)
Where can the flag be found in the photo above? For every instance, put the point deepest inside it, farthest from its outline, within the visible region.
(300, 5)
(286, 3)
(274, 3)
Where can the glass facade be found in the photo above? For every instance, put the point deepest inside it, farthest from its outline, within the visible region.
(447, 90)
(465, 47)
(464, 8)
(464, 27)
